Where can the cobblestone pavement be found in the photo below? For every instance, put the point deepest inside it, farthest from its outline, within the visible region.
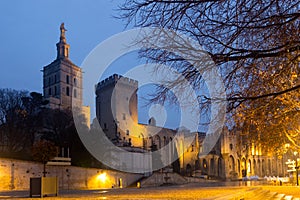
(190, 191)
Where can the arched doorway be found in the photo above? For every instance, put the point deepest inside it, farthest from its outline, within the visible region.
(274, 168)
(172, 153)
(220, 171)
(231, 164)
(258, 168)
(269, 168)
(249, 170)
(204, 166)
(244, 169)
(239, 167)
(157, 141)
(188, 170)
(197, 165)
(263, 167)
(254, 167)
(212, 167)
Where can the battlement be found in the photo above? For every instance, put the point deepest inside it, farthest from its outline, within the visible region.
(114, 79)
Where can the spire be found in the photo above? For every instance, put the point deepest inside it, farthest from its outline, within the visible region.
(62, 46)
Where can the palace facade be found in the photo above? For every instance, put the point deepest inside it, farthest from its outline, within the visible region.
(117, 113)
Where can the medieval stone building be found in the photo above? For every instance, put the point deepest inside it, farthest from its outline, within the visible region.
(62, 80)
(232, 157)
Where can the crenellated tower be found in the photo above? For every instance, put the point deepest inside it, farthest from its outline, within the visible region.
(116, 107)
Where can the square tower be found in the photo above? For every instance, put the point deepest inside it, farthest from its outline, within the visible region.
(116, 106)
(62, 79)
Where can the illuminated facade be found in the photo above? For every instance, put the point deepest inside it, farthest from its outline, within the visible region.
(231, 158)
(244, 158)
(116, 110)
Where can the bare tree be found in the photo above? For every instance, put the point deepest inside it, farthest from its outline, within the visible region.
(12, 115)
(56, 124)
(254, 44)
(19, 120)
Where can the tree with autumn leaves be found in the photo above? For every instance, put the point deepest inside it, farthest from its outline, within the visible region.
(254, 44)
(43, 151)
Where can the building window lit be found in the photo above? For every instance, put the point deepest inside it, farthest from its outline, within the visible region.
(204, 164)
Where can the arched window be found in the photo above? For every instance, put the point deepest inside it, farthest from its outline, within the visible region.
(68, 91)
(165, 140)
(75, 93)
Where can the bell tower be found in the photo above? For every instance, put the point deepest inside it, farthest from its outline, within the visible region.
(62, 79)
(62, 46)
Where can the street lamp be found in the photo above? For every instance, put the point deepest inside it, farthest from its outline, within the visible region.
(296, 167)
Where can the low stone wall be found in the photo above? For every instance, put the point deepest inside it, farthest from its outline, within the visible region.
(15, 175)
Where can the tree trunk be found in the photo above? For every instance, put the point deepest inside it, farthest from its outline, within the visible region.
(44, 171)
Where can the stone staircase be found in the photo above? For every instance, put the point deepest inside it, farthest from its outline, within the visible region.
(159, 179)
(255, 194)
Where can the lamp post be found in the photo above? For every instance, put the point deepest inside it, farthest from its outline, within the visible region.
(296, 167)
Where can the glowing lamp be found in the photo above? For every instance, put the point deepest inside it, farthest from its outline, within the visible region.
(102, 177)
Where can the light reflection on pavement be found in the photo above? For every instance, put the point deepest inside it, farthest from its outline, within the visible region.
(188, 191)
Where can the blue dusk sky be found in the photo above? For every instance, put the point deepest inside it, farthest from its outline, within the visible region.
(30, 31)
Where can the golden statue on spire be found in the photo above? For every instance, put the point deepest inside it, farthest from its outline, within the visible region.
(62, 32)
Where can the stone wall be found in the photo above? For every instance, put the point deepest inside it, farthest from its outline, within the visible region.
(15, 175)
